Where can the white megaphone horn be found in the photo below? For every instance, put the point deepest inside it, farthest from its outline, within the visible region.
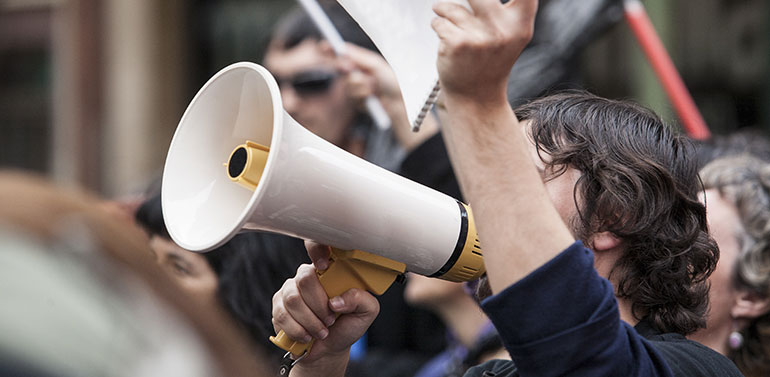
(238, 162)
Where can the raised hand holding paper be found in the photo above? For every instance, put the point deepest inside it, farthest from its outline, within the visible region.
(402, 32)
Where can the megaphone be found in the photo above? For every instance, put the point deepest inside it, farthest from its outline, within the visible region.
(239, 162)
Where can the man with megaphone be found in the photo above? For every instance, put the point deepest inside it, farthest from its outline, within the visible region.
(573, 172)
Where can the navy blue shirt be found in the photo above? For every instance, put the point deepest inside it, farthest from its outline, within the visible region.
(563, 319)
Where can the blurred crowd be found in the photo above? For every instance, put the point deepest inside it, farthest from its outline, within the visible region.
(94, 287)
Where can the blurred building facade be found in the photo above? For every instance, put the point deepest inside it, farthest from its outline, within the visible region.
(91, 90)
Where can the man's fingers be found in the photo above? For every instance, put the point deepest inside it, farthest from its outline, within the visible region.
(482, 8)
(490, 9)
(313, 294)
(360, 69)
(283, 319)
(365, 59)
(326, 48)
(355, 301)
(300, 307)
(522, 11)
(293, 330)
(454, 13)
(359, 85)
(446, 30)
(319, 254)
(525, 7)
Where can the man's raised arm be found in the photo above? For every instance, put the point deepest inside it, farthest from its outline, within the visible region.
(519, 227)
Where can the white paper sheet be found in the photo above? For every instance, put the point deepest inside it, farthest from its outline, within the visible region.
(401, 31)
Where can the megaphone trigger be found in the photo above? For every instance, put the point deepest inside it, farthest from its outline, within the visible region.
(349, 269)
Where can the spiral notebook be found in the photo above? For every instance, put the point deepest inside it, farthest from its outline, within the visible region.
(401, 31)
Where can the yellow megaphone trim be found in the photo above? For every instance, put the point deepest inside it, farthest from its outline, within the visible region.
(247, 163)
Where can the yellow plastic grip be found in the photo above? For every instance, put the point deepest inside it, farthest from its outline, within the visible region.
(348, 269)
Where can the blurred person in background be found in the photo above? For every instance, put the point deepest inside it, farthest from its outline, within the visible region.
(242, 275)
(81, 296)
(325, 93)
(190, 270)
(748, 140)
(737, 200)
(471, 337)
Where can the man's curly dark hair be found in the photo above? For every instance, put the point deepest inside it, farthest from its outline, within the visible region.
(639, 181)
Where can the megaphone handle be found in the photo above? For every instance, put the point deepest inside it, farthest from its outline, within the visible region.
(348, 269)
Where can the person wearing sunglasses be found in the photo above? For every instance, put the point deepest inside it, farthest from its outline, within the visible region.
(324, 93)
(308, 83)
(314, 86)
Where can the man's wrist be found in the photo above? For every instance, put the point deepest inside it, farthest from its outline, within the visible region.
(482, 100)
(332, 365)
(474, 114)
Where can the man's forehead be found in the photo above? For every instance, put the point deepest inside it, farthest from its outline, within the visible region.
(541, 157)
(306, 55)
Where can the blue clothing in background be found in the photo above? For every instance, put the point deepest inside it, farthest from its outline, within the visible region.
(453, 360)
(358, 349)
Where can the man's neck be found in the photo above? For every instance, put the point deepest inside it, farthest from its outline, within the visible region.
(714, 338)
(626, 314)
(604, 263)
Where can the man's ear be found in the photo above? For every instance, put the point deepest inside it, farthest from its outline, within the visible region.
(604, 241)
(750, 305)
(606, 253)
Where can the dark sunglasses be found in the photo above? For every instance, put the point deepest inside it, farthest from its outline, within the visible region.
(309, 82)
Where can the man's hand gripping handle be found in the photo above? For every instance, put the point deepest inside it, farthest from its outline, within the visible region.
(348, 269)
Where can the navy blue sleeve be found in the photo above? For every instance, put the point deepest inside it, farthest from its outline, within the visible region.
(563, 319)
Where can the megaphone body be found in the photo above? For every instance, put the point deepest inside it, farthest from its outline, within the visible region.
(305, 187)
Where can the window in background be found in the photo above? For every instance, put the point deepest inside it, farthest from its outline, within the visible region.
(25, 88)
(228, 31)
